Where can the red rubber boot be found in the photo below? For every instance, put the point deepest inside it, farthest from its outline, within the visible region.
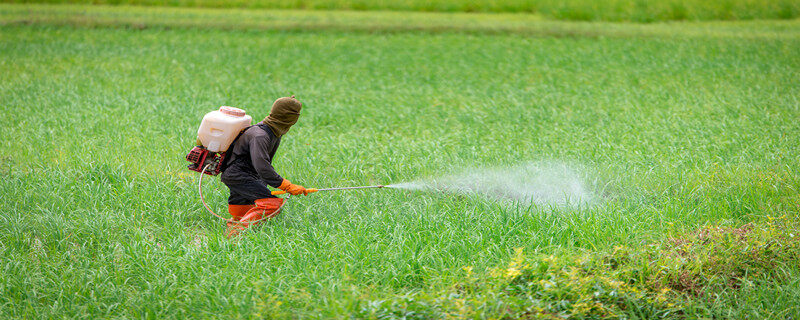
(237, 211)
(264, 209)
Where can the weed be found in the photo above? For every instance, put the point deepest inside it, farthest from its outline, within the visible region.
(659, 280)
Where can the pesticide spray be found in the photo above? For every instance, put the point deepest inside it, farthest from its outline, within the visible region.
(542, 183)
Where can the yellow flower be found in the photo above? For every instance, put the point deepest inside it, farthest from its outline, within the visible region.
(513, 272)
(519, 257)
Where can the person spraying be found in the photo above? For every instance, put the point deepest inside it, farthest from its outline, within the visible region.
(246, 162)
(248, 170)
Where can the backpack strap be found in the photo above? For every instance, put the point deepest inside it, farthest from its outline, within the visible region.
(226, 161)
(266, 128)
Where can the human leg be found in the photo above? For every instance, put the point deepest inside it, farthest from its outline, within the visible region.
(250, 201)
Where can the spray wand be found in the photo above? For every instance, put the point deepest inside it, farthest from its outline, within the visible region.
(310, 190)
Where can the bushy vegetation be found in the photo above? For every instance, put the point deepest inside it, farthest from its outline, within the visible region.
(689, 140)
(673, 279)
(613, 10)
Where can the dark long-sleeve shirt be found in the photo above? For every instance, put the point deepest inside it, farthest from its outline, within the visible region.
(251, 157)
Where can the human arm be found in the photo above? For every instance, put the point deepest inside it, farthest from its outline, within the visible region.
(259, 157)
(259, 153)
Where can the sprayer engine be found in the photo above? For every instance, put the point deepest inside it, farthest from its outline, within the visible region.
(200, 157)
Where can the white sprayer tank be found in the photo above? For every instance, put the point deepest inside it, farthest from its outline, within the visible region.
(219, 128)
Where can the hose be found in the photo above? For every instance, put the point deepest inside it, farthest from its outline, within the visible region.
(230, 220)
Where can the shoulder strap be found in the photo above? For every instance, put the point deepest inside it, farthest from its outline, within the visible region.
(266, 128)
(226, 161)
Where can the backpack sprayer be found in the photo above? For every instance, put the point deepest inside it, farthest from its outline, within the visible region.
(216, 133)
(218, 130)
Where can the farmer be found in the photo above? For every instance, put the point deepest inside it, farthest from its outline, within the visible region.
(248, 171)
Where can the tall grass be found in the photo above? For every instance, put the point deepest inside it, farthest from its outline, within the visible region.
(613, 10)
(100, 218)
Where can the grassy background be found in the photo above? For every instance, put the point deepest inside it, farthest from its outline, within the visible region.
(611, 10)
(100, 217)
(139, 17)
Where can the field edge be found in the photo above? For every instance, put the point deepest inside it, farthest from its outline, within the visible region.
(142, 17)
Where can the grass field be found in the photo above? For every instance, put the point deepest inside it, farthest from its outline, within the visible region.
(581, 10)
(379, 22)
(686, 132)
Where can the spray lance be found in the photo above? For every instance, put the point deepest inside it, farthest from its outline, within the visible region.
(218, 130)
(310, 190)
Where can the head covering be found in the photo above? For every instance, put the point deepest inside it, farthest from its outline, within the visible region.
(283, 115)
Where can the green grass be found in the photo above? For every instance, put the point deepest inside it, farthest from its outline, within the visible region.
(678, 130)
(138, 17)
(581, 10)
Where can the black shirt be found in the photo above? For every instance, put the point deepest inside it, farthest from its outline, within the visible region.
(251, 157)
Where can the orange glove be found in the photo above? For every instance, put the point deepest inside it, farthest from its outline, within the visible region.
(293, 189)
